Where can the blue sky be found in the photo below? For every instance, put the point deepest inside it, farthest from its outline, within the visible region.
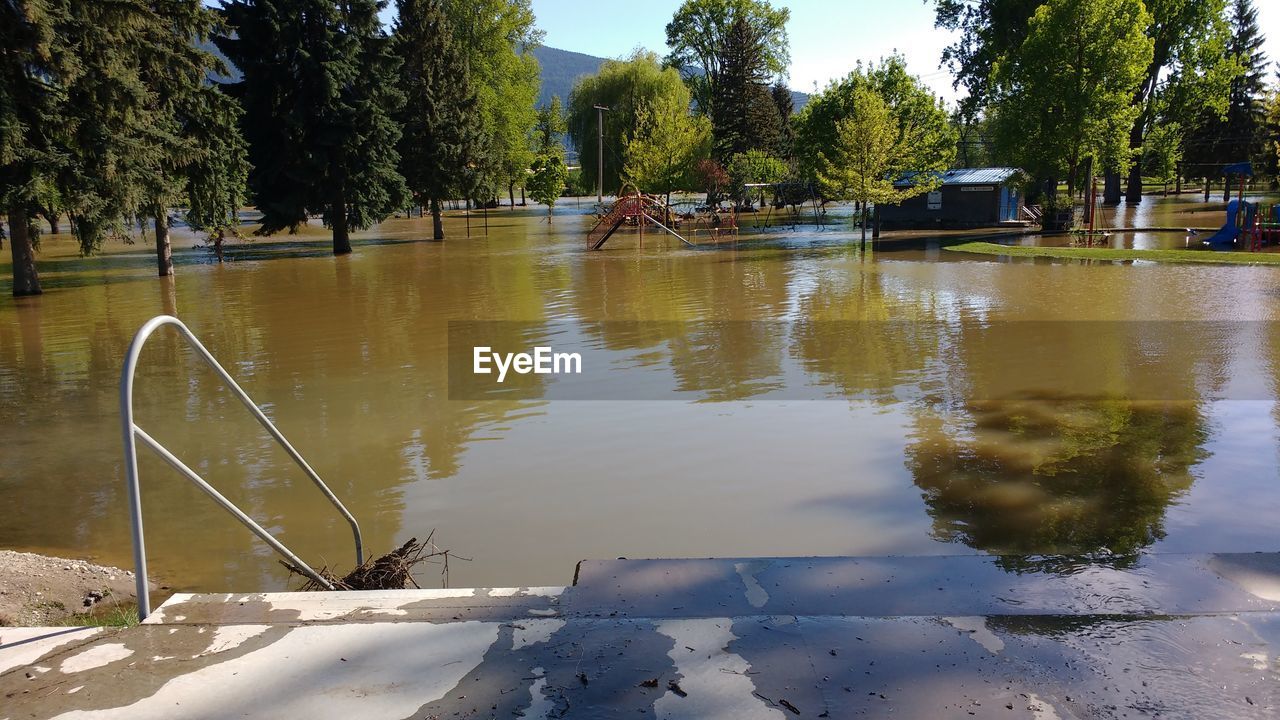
(828, 37)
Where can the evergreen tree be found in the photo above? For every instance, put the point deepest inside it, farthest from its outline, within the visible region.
(187, 120)
(744, 116)
(786, 107)
(1245, 111)
(439, 115)
(319, 92)
(28, 57)
(698, 36)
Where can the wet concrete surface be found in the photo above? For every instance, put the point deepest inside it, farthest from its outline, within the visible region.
(1167, 637)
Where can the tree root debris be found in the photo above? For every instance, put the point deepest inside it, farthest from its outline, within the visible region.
(393, 571)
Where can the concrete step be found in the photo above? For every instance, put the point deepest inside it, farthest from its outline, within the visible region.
(1159, 636)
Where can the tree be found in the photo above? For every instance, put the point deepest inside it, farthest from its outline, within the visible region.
(712, 179)
(547, 182)
(698, 36)
(28, 56)
(1271, 135)
(668, 143)
(744, 116)
(624, 86)
(867, 149)
(755, 167)
(497, 39)
(924, 132)
(989, 30)
(1066, 95)
(549, 132)
(1162, 153)
(187, 119)
(785, 104)
(216, 176)
(319, 95)
(1246, 114)
(438, 117)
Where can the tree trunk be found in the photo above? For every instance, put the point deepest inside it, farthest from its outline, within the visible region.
(1133, 194)
(436, 224)
(1111, 189)
(25, 279)
(164, 251)
(875, 223)
(523, 202)
(511, 194)
(338, 215)
(51, 217)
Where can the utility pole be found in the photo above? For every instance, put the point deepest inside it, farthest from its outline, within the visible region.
(600, 111)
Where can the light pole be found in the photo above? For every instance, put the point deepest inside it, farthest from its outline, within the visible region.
(600, 111)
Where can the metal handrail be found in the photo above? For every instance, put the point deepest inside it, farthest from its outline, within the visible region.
(132, 433)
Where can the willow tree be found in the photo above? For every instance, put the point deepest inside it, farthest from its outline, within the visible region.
(319, 92)
(625, 87)
(1065, 96)
(438, 117)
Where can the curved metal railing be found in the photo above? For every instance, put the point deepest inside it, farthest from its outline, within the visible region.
(132, 433)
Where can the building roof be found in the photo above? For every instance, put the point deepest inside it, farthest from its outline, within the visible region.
(967, 176)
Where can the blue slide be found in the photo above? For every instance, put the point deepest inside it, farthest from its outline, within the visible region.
(1231, 231)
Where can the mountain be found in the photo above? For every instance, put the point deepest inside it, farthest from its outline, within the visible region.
(562, 68)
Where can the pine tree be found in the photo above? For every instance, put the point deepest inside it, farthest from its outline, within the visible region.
(744, 116)
(27, 102)
(440, 113)
(319, 90)
(786, 106)
(1245, 113)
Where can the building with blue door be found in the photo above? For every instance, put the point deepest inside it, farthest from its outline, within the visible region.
(973, 197)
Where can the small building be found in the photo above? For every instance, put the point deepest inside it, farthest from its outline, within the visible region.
(976, 197)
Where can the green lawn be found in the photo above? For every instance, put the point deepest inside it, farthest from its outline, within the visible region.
(1089, 253)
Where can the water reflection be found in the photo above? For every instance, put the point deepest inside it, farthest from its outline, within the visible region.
(1055, 474)
(952, 380)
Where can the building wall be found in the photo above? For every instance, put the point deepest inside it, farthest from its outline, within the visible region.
(961, 206)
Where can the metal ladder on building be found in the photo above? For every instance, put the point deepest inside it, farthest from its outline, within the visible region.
(133, 433)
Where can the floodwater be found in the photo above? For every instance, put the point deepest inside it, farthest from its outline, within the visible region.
(785, 397)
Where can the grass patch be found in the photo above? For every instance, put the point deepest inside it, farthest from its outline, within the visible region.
(125, 615)
(1112, 254)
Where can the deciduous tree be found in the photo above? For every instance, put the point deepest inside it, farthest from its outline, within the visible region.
(547, 181)
(668, 143)
(438, 120)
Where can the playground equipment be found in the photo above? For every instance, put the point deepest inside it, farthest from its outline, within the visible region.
(634, 208)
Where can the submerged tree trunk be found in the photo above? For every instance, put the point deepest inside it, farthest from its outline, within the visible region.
(338, 215)
(1111, 188)
(164, 251)
(1208, 188)
(51, 217)
(511, 194)
(437, 226)
(25, 279)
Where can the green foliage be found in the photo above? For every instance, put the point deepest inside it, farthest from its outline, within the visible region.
(216, 178)
(698, 36)
(624, 86)
(549, 132)
(923, 131)
(319, 93)
(1162, 152)
(866, 150)
(669, 141)
(755, 167)
(438, 119)
(497, 38)
(547, 182)
(743, 113)
(785, 105)
(989, 29)
(1066, 95)
(29, 104)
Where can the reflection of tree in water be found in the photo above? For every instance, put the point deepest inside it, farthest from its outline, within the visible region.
(1049, 475)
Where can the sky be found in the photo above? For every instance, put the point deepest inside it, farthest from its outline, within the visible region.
(828, 37)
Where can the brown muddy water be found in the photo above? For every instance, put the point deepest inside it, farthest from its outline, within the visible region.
(774, 398)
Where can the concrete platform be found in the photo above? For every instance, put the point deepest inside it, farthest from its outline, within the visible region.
(1167, 637)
